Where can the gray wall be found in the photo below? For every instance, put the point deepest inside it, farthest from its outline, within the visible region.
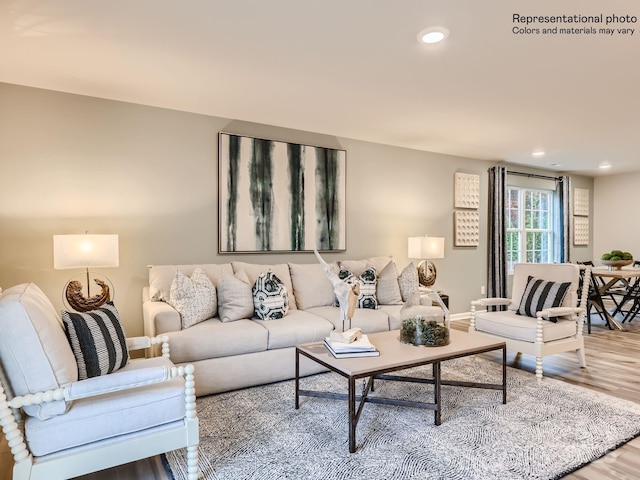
(71, 164)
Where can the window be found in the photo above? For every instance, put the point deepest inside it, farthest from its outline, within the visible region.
(529, 226)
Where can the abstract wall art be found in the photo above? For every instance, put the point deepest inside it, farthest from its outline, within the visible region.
(275, 196)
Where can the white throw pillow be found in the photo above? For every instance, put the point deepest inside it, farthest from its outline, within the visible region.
(194, 298)
(311, 285)
(235, 300)
(409, 281)
(388, 292)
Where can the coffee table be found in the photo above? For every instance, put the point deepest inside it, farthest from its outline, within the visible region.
(396, 356)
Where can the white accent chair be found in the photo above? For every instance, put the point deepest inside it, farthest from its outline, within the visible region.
(58, 427)
(537, 336)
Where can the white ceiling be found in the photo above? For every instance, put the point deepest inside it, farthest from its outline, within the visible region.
(352, 68)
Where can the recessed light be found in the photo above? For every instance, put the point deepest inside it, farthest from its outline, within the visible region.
(538, 153)
(433, 35)
(556, 165)
(604, 166)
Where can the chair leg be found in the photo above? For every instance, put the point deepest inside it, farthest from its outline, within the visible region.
(192, 462)
(582, 359)
(539, 368)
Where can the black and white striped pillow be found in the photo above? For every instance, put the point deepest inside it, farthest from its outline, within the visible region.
(97, 340)
(540, 295)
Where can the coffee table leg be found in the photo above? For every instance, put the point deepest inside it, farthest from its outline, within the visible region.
(297, 379)
(504, 375)
(352, 415)
(437, 393)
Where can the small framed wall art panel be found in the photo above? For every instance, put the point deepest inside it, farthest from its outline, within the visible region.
(467, 190)
(467, 225)
(581, 202)
(276, 196)
(581, 230)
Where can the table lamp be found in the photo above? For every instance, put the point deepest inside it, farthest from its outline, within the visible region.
(425, 248)
(86, 251)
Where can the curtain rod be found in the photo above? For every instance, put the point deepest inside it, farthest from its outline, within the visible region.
(534, 175)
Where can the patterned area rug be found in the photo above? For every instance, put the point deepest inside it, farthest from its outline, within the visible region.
(545, 430)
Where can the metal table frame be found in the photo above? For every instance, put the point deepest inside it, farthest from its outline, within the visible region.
(382, 374)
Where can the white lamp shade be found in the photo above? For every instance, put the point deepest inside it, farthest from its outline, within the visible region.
(84, 251)
(426, 247)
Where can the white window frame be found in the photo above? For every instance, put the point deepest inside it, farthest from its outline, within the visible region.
(523, 254)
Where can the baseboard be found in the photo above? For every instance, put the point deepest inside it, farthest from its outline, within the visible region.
(460, 316)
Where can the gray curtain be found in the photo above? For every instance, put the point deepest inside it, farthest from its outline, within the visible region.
(563, 219)
(497, 249)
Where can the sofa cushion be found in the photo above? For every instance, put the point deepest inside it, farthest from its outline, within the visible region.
(110, 415)
(510, 325)
(367, 281)
(540, 295)
(214, 338)
(358, 266)
(194, 298)
(281, 270)
(235, 300)
(408, 281)
(311, 286)
(370, 321)
(393, 312)
(270, 297)
(161, 277)
(97, 339)
(34, 350)
(297, 327)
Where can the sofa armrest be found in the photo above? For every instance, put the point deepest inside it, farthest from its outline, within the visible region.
(159, 318)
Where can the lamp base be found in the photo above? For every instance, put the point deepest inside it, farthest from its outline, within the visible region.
(78, 297)
(426, 273)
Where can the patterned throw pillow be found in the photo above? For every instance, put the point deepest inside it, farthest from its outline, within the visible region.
(194, 298)
(409, 281)
(367, 280)
(540, 295)
(270, 297)
(97, 340)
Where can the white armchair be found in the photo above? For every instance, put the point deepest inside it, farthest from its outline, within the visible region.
(542, 328)
(59, 427)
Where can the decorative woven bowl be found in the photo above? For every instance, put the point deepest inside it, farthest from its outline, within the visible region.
(616, 264)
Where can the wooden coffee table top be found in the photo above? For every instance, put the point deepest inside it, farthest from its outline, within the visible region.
(395, 355)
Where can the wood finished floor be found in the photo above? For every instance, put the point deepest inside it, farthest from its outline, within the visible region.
(613, 367)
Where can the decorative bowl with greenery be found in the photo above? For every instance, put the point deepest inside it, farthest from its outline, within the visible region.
(616, 259)
(420, 331)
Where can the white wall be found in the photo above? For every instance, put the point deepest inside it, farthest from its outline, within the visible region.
(616, 201)
(71, 164)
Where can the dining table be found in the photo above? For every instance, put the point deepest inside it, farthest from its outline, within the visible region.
(610, 278)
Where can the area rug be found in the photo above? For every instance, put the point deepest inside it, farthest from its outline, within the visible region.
(545, 430)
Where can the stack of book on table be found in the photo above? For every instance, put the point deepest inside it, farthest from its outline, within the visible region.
(358, 348)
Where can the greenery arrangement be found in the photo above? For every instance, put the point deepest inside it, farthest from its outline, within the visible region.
(419, 331)
(616, 255)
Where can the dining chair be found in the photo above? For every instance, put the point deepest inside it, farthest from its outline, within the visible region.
(594, 298)
(631, 293)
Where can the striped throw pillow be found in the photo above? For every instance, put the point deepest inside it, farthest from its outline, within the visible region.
(97, 340)
(540, 295)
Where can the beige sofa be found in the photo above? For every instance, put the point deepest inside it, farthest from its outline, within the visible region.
(246, 351)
